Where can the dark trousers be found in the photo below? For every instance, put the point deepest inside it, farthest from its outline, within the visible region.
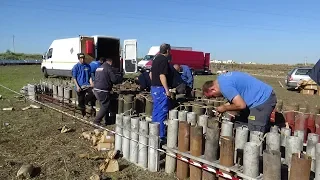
(86, 97)
(258, 118)
(104, 99)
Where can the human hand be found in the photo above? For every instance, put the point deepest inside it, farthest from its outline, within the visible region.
(78, 89)
(221, 109)
(168, 93)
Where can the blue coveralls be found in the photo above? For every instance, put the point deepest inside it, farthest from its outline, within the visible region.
(161, 105)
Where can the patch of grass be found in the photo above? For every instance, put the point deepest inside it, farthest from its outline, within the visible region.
(15, 77)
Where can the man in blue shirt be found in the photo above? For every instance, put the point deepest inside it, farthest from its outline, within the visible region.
(81, 74)
(187, 77)
(253, 98)
(94, 65)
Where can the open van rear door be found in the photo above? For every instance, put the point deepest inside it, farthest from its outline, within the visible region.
(130, 64)
(87, 46)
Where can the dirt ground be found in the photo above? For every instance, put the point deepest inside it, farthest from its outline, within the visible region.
(32, 136)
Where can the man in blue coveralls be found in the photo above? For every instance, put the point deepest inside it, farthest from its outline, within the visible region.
(187, 77)
(253, 98)
(81, 74)
(159, 87)
(94, 65)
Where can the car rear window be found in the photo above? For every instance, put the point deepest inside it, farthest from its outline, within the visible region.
(302, 71)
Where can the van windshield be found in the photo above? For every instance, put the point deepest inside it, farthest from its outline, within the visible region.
(148, 57)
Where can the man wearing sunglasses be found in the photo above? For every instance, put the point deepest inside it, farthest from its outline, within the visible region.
(253, 98)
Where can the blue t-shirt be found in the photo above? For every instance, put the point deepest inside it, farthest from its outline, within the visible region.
(94, 66)
(187, 76)
(82, 73)
(253, 91)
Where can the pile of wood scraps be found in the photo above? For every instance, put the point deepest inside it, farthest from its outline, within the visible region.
(308, 87)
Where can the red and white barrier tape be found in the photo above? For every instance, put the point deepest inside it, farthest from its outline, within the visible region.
(207, 168)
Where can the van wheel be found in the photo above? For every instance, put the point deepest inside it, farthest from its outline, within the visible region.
(45, 73)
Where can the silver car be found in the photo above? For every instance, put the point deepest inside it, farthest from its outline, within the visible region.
(296, 75)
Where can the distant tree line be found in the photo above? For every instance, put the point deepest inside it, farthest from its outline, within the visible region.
(9, 55)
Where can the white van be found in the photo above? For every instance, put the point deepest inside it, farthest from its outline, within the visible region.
(62, 54)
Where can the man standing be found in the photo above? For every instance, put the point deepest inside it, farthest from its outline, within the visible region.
(83, 82)
(253, 98)
(104, 80)
(187, 77)
(159, 87)
(95, 64)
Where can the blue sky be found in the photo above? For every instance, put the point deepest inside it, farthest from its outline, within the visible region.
(264, 31)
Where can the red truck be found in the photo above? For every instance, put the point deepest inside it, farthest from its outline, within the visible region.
(198, 61)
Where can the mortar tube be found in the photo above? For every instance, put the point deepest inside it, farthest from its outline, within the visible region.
(67, 94)
(54, 91)
(153, 154)
(271, 165)
(226, 153)
(293, 145)
(285, 132)
(300, 167)
(118, 138)
(182, 115)
(127, 103)
(60, 93)
(192, 118)
(195, 150)
(126, 139)
(312, 141)
(251, 155)
(211, 150)
(149, 106)
(227, 128)
(300, 134)
(203, 121)
(134, 150)
(273, 141)
(172, 140)
(242, 134)
(274, 129)
(173, 114)
(256, 136)
(317, 162)
(120, 104)
(183, 146)
(143, 150)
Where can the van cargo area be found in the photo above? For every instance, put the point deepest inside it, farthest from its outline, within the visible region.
(109, 48)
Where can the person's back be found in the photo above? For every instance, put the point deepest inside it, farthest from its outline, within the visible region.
(187, 76)
(104, 78)
(160, 65)
(253, 91)
(144, 81)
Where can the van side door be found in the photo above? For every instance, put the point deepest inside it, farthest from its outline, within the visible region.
(87, 46)
(130, 64)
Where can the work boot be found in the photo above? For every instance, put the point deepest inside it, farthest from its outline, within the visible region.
(163, 141)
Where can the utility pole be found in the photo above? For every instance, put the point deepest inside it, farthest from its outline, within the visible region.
(305, 61)
(13, 44)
